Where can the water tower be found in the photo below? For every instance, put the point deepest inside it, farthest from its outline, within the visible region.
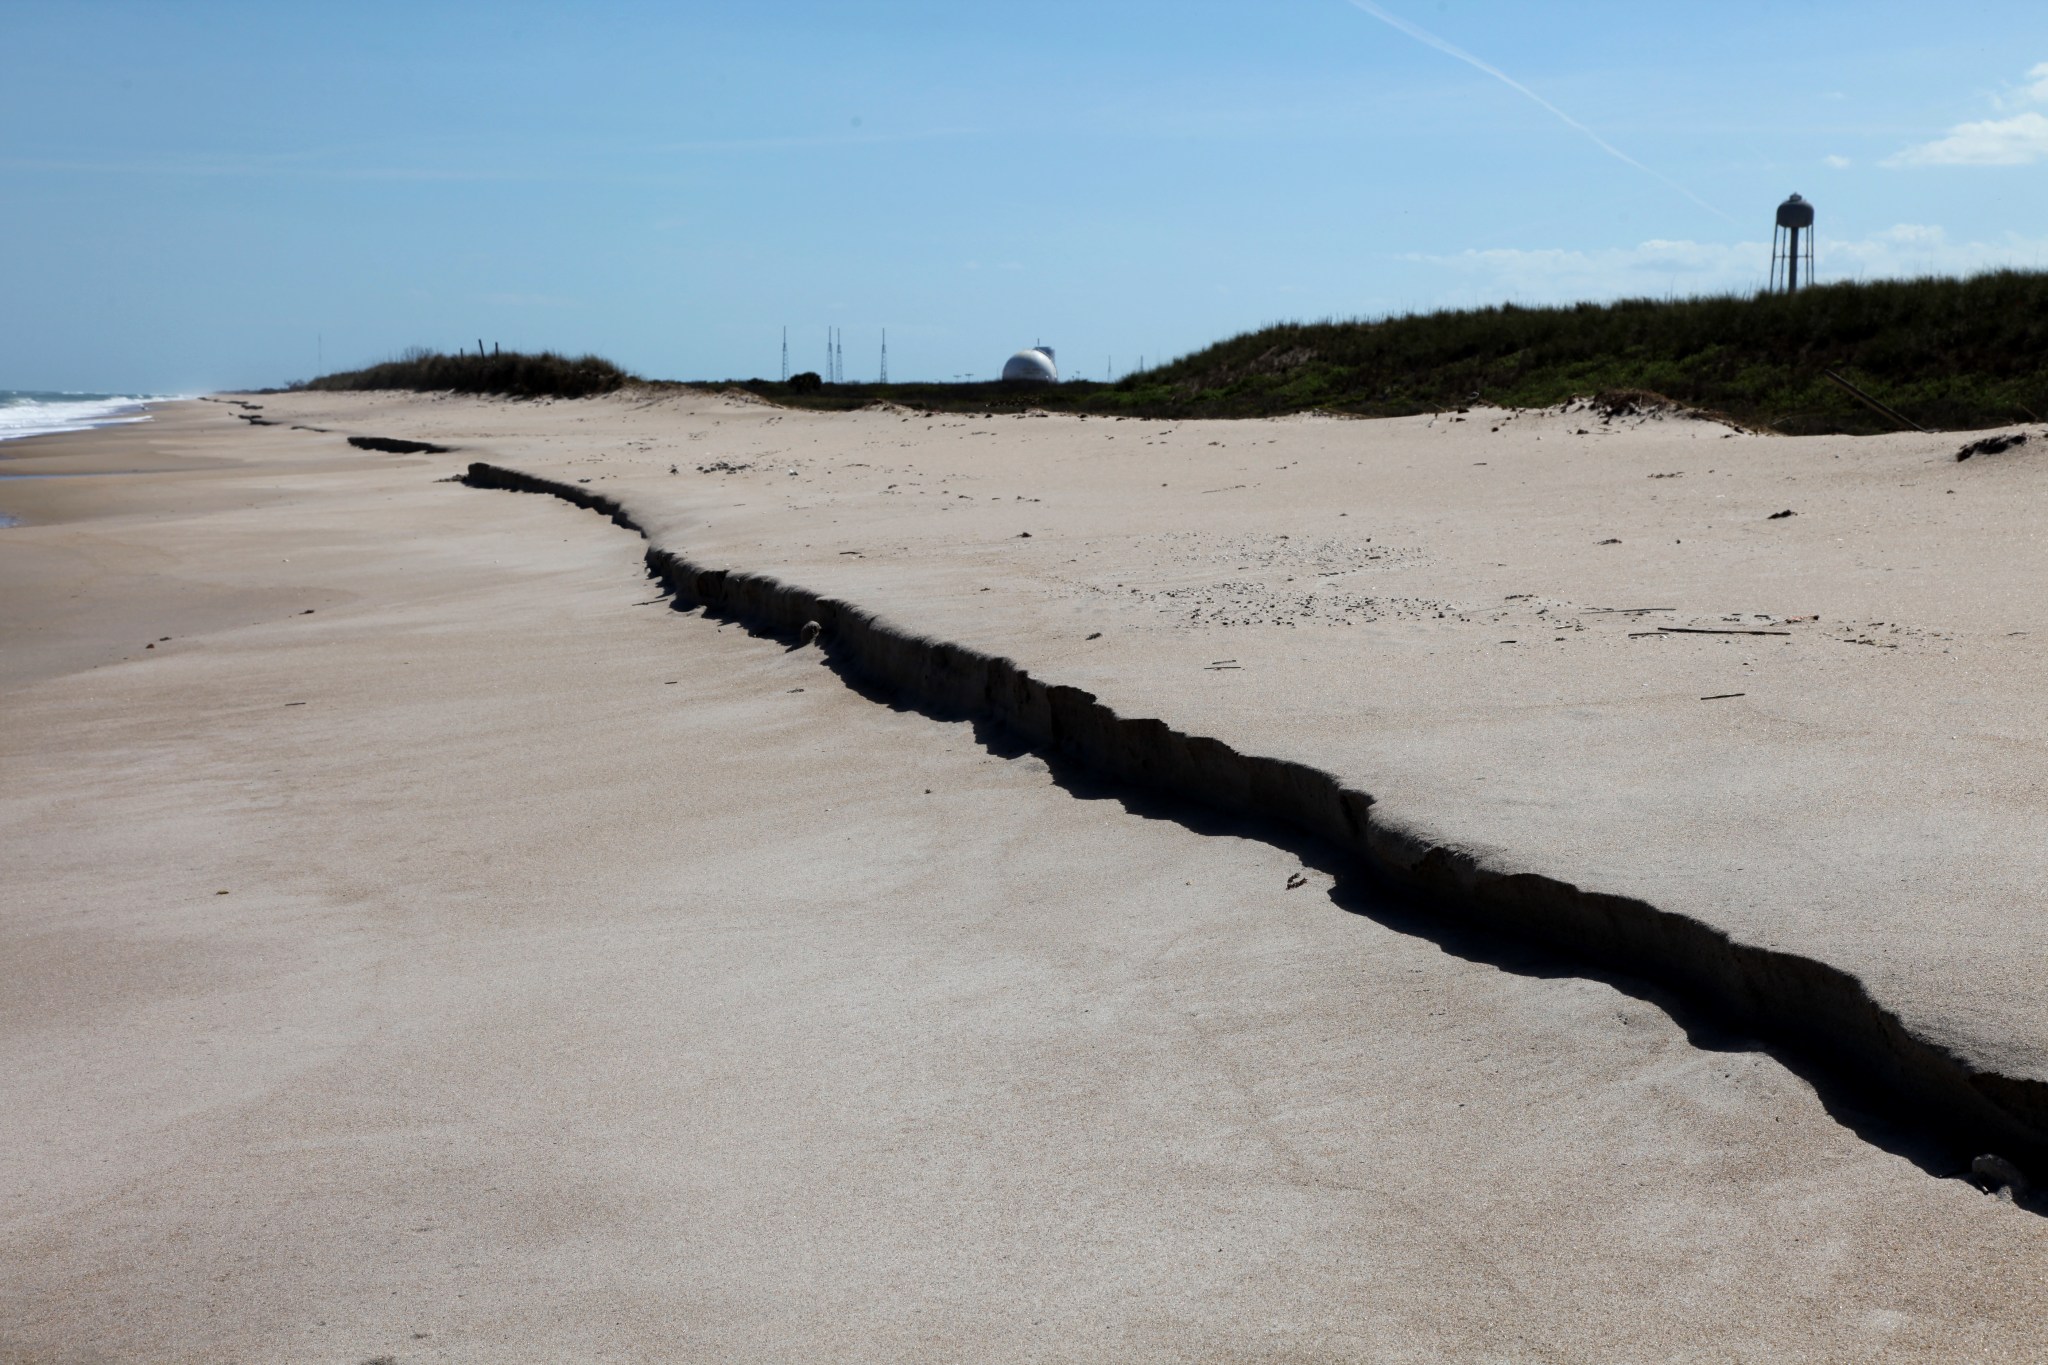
(1792, 246)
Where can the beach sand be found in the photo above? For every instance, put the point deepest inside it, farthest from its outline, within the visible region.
(1442, 613)
(595, 979)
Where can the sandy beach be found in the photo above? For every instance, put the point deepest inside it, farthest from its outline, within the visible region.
(1485, 621)
(431, 938)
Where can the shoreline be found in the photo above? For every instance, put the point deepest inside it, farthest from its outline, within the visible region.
(67, 413)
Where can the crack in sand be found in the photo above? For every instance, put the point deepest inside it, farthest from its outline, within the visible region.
(1822, 1020)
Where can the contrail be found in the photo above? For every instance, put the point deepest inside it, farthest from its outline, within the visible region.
(1423, 35)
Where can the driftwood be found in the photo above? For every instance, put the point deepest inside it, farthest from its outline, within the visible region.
(1710, 630)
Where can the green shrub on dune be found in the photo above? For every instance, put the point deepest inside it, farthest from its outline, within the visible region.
(516, 374)
(1948, 353)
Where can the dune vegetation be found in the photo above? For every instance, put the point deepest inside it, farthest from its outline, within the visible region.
(517, 374)
(1944, 353)
(1941, 353)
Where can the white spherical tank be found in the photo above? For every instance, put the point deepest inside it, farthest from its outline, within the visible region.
(1034, 366)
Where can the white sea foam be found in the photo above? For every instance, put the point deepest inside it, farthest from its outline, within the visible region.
(29, 413)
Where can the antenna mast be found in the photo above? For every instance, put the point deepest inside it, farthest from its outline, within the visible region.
(885, 355)
(785, 355)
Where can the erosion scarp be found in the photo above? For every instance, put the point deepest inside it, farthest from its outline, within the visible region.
(1821, 1018)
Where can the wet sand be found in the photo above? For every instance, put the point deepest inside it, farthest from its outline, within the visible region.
(583, 988)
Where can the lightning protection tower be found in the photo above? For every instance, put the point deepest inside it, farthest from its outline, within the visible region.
(785, 355)
(885, 356)
(1792, 246)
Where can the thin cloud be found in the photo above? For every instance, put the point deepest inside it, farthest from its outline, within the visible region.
(321, 166)
(253, 168)
(807, 142)
(2017, 141)
(2034, 91)
(1428, 39)
(1655, 268)
(517, 300)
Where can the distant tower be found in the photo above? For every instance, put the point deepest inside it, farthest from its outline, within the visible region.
(828, 355)
(1792, 246)
(885, 356)
(785, 355)
(838, 355)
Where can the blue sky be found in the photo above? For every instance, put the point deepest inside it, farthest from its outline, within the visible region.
(211, 194)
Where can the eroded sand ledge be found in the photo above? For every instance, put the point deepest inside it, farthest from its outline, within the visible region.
(598, 981)
(1820, 1013)
(1517, 631)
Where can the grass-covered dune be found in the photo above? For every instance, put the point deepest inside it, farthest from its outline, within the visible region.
(514, 373)
(1950, 354)
(1947, 353)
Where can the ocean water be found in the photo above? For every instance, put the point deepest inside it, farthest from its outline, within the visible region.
(29, 412)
